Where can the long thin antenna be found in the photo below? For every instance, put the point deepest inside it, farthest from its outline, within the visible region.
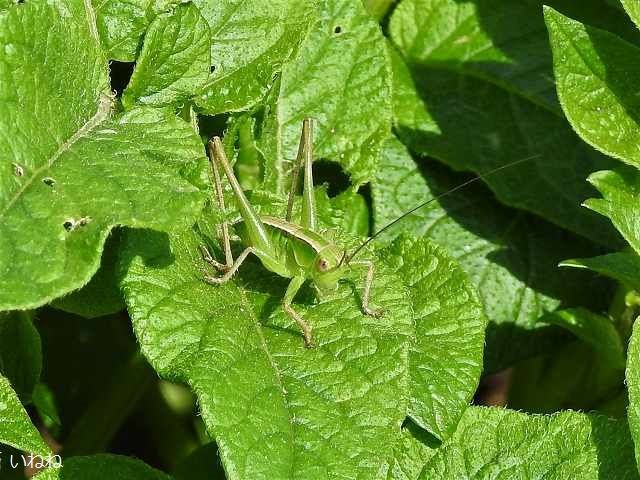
(347, 258)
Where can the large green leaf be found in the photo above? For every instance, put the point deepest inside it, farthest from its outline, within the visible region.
(411, 453)
(99, 467)
(633, 9)
(620, 190)
(483, 71)
(511, 257)
(621, 266)
(340, 77)
(593, 329)
(280, 411)
(16, 428)
(20, 352)
(493, 443)
(174, 61)
(445, 361)
(101, 296)
(250, 41)
(633, 384)
(596, 73)
(68, 172)
(121, 25)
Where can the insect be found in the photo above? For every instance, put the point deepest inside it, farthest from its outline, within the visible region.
(299, 251)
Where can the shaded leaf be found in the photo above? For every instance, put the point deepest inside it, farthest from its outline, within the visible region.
(20, 352)
(596, 330)
(633, 384)
(101, 296)
(621, 266)
(510, 256)
(485, 79)
(98, 467)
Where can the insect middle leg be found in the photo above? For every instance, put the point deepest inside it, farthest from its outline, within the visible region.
(366, 293)
(292, 289)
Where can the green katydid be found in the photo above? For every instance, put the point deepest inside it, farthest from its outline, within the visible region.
(297, 251)
(301, 251)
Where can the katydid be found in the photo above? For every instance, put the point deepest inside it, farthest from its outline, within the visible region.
(299, 251)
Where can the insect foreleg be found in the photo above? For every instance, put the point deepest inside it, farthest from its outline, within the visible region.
(366, 293)
(231, 271)
(292, 289)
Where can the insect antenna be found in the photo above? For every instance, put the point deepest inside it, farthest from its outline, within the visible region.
(347, 258)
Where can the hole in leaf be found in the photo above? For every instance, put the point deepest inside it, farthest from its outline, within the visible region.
(337, 30)
(212, 69)
(325, 171)
(69, 225)
(120, 74)
(18, 170)
(49, 181)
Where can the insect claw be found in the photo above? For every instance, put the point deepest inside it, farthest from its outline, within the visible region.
(213, 280)
(373, 312)
(207, 257)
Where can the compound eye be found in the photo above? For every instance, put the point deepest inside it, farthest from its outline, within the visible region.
(323, 265)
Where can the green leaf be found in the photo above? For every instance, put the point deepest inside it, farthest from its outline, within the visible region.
(633, 384)
(411, 453)
(632, 7)
(250, 41)
(174, 61)
(16, 429)
(98, 467)
(278, 402)
(69, 173)
(499, 443)
(121, 25)
(620, 190)
(483, 71)
(596, 74)
(621, 266)
(101, 296)
(340, 77)
(20, 352)
(445, 360)
(594, 329)
(511, 257)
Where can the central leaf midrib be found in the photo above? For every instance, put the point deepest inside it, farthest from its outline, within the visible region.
(104, 108)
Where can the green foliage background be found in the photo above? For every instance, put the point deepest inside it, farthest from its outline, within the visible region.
(116, 355)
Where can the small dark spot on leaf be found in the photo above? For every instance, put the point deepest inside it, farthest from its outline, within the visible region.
(18, 170)
(212, 69)
(72, 224)
(337, 30)
(49, 181)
